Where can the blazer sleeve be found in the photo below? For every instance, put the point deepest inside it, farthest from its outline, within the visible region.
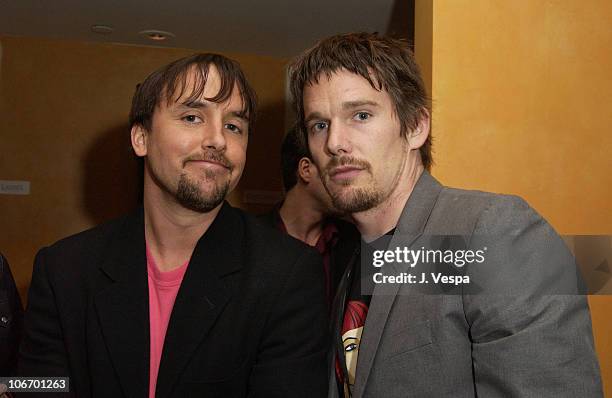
(11, 312)
(531, 328)
(42, 351)
(291, 361)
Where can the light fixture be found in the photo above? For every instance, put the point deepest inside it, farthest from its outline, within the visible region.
(102, 29)
(156, 35)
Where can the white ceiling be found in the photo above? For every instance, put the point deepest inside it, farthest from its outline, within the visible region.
(265, 27)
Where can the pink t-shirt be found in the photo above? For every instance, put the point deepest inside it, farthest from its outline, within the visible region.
(163, 288)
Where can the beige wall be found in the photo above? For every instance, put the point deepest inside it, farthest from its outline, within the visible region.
(63, 127)
(522, 101)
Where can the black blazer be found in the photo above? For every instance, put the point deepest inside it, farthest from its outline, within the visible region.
(11, 320)
(250, 317)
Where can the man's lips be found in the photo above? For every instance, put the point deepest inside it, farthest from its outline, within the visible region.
(343, 172)
(209, 163)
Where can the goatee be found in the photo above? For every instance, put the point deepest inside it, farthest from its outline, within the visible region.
(351, 200)
(189, 194)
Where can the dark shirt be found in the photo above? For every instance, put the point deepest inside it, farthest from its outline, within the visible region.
(11, 320)
(336, 245)
(325, 245)
(356, 305)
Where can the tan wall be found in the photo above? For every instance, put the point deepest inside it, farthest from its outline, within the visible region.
(522, 100)
(63, 126)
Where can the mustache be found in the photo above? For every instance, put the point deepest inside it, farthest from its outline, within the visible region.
(347, 161)
(210, 156)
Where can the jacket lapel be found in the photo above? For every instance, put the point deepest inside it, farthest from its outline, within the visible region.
(202, 295)
(410, 226)
(122, 306)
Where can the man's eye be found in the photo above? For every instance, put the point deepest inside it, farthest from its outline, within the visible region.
(362, 116)
(319, 126)
(192, 119)
(233, 128)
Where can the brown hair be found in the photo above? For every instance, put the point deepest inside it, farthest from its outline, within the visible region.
(170, 82)
(387, 64)
(293, 149)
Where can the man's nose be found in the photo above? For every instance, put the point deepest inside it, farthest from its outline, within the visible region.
(338, 139)
(213, 136)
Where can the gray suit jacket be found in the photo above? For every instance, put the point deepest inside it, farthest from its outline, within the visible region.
(527, 341)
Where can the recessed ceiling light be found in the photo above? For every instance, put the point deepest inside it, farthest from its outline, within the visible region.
(157, 35)
(102, 29)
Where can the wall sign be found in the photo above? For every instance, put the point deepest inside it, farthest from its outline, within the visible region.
(14, 187)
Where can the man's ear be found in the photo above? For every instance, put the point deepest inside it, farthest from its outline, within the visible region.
(305, 169)
(418, 136)
(139, 140)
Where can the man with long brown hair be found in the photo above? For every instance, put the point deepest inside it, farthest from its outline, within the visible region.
(511, 323)
(187, 296)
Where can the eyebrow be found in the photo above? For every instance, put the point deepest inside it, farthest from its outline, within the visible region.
(197, 104)
(313, 116)
(345, 105)
(193, 104)
(358, 103)
(240, 115)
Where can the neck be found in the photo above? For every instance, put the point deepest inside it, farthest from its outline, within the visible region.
(171, 230)
(301, 215)
(379, 220)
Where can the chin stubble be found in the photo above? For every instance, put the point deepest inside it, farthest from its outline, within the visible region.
(356, 199)
(190, 195)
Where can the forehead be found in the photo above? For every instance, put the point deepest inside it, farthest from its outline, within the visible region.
(342, 86)
(196, 86)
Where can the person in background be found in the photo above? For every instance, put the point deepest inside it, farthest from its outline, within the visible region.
(307, 212)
